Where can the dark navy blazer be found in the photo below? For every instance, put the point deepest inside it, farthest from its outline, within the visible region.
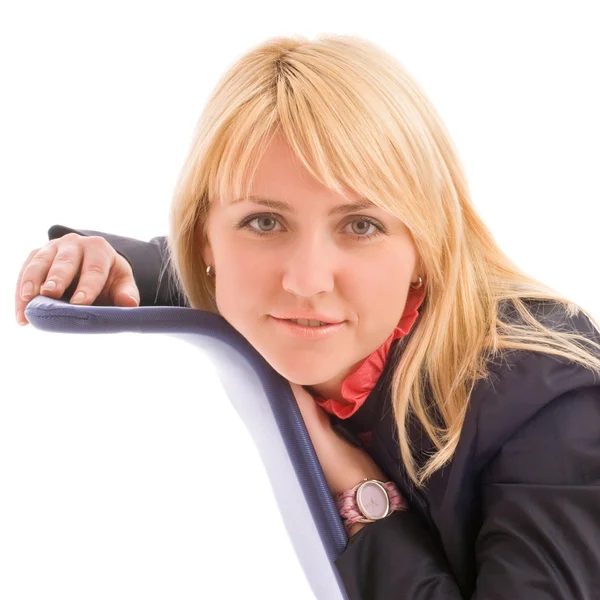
(515, 514)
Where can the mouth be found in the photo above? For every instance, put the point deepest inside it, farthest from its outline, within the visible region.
(308, 319)
(308, 328)
(308, 322)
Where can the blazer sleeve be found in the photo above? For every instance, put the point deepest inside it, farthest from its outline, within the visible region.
(151, 269)
(540, 533)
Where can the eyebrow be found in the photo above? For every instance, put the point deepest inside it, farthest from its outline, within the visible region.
(285, 207)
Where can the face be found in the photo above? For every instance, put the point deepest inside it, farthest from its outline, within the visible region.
(356, 266)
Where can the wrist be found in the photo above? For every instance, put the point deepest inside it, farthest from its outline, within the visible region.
(348, 482)
(354, 529)
(362, 465)
(367, 502)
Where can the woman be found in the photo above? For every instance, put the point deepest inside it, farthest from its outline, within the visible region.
(472, 387)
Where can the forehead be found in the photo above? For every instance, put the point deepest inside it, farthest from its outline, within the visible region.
(280, 181)
(284, 206)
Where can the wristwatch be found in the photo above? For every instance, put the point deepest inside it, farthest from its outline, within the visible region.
(369, 501)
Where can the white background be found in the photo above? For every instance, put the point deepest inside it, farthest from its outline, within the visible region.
(109, 445)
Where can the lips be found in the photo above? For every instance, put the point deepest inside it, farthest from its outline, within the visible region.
(307, 333)
(308, 322)
(296, 315)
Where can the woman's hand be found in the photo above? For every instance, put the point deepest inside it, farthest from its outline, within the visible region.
(343, 464)
(91, 263)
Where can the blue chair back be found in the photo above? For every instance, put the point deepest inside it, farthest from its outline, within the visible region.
(264, 401)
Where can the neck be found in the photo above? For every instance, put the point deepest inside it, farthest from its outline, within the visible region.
(332, 389)
(329, 390)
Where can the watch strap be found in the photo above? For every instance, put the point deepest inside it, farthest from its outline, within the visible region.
(350, 511)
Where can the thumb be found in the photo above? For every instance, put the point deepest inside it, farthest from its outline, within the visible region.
(126, 294)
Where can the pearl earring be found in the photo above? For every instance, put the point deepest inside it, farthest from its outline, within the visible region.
(418, 285)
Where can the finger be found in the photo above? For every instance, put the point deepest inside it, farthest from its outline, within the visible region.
(126, 293)
(98, 260)
(20, 302)
(64, 267)
(33, 273)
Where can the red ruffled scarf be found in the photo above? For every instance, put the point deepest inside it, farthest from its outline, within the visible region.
(359, 384)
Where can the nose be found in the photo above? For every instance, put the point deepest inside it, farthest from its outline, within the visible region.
(309, 265)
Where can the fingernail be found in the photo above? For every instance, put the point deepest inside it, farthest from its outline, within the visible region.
(133, 298)
(21, 320)
(78, 297)
(27, 290)
(49, 286)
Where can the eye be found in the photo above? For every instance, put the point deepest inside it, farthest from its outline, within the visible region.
(245, 224)
(271, 220)
(366, 224)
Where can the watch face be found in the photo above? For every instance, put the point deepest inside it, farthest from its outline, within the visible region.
(372, 500)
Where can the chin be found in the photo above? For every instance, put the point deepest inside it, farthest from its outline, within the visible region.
(302, 374)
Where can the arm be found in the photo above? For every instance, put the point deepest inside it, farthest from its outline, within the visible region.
(540, 537)
(151, 272)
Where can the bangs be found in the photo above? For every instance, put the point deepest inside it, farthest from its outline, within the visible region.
(325, 124)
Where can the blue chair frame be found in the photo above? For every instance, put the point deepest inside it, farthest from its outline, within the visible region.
(266, 404)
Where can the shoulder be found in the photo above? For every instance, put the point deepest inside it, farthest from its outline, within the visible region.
(533, 394)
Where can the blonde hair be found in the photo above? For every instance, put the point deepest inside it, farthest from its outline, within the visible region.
(347, 108)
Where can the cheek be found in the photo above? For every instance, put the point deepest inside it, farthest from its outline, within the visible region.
(386, 278)
(242, 282)
(380, 294)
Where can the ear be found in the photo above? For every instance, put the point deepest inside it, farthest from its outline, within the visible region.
(205, 247)
(418, 272)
